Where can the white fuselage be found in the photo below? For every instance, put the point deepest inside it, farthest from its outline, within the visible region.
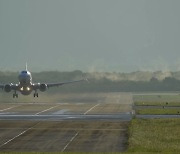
(25, 82)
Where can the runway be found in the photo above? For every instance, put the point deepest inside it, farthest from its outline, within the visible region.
(65, 111)
(122, 117)
(75, 122)
(110, 106)
(83, 123)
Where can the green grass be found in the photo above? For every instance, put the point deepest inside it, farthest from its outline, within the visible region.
(159, 111)
(157, 98)
(154, 103)
(160, 101)
(154, 135)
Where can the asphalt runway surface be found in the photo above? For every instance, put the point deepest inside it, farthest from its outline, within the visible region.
(39, 111)
(90, 123)
(122, 116)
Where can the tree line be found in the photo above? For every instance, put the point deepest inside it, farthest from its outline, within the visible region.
(100, 84)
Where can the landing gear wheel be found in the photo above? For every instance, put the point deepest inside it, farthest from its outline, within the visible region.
(36, 95)
(15, 95)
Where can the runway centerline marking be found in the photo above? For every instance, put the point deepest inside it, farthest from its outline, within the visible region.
(91, 109)
(46, 110)
(69, 142)
(9, 108)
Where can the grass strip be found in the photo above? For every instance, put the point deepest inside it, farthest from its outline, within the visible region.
(154, 135)
(155, 103)
(157, 98)
(162, 111)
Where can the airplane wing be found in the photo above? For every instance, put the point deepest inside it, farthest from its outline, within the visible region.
(62, 83)
(13, 86)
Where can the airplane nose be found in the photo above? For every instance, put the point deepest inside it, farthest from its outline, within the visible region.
(24, 78)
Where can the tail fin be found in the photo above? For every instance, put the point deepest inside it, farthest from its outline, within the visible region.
(26, 66)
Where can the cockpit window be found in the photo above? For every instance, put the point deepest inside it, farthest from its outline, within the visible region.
(24, 72)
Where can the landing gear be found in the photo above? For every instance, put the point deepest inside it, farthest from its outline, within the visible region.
(36, 94)
(15, 95)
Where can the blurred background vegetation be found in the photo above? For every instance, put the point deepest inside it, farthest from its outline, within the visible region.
(103, 81)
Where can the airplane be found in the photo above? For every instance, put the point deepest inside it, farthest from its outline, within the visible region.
(26, 86)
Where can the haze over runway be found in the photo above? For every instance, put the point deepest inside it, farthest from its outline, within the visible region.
(100, 35)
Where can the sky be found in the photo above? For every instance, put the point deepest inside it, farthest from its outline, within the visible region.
(90, 35)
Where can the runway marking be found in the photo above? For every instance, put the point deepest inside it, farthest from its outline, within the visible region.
(9, 108)
(69, 142)
(16, 137)
(46, 110)
(91, 108)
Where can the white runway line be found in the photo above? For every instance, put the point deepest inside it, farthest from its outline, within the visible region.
(69, 142)
(9, 108)
(46, 110)
(15, 137)
(91, 108)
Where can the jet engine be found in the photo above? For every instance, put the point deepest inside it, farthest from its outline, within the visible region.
(43, 87)
(7, 88)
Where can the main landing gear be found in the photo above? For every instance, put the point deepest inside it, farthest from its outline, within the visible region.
(36, 94)
(15, 95)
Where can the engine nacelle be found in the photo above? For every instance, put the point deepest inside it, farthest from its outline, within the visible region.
(7, 88)
(43, 87)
